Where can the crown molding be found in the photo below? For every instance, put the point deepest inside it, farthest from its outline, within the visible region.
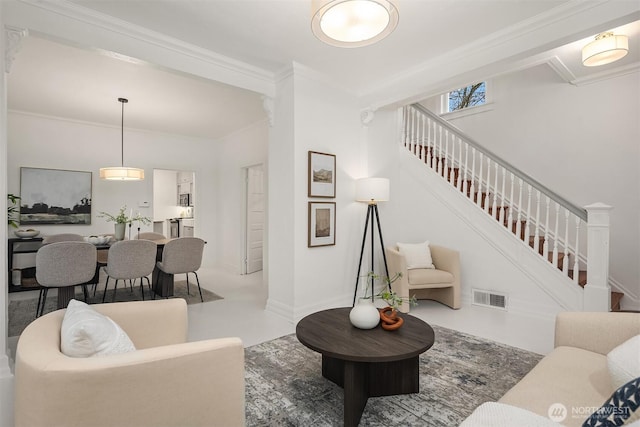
(13, 38)
(608, 74)
(261, 77)
(491, 55)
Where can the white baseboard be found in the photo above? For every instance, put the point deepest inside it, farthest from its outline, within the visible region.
(6, 393)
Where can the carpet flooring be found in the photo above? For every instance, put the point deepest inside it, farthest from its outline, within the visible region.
(285, 387)
(23, 312)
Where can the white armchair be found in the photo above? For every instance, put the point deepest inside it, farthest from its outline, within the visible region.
(441, 283)
(165, 382)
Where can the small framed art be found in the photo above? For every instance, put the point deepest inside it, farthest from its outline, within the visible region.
(322, 175)
(322, 224)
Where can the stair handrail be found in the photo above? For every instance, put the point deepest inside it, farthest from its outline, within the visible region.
(576, 210)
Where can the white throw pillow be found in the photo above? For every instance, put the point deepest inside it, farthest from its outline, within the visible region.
(417, 255)
(624, 362)
(87, 333)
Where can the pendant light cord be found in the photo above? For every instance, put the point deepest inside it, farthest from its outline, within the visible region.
(123, 101)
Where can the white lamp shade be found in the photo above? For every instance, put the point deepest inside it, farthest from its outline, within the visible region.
(353, 23)
(605, 49)
(120, 173)
(372, 190)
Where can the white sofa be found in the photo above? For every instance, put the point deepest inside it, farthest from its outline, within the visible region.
(167, 381)
(575, 374)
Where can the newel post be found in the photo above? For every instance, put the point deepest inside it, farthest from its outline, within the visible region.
(597, 293)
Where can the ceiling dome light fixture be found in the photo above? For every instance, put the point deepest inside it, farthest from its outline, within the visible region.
(605, 49)
(353, 23)
(122, 173)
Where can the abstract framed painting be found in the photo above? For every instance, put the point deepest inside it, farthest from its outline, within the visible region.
(54, 196)
(322, 175)
(322, 224)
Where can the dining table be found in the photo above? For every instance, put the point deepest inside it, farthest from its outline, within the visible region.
(162, 283)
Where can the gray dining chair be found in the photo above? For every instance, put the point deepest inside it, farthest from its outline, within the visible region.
(63, 265)
(183, 255)
(130, 260)
(150, 235)
(64, 237)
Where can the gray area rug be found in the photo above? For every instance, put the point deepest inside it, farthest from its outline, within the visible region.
(285, 387)
(23, 312)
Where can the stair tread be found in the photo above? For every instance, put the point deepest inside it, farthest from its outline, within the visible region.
(615, 300)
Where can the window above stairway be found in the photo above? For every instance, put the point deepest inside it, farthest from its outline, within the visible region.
(471, 99)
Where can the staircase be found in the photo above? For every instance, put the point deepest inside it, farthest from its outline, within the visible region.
(551, 226)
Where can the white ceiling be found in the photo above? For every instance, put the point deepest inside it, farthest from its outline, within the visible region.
(83, 83)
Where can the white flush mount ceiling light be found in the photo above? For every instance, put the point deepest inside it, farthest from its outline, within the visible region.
(353, 23)
(605, 49)
(122, 173)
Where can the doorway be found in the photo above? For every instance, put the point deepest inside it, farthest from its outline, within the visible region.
(254, 219)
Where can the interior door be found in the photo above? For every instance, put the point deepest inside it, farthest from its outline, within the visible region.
(255, 218)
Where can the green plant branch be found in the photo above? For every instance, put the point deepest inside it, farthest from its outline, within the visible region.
(12, 210)
(122, 218)
(388, 295)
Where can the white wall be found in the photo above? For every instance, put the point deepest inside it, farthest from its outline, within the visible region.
(311, 115)
(244, 148)
(579, 141)
(6, 377)
(61, 144)
(326, 120)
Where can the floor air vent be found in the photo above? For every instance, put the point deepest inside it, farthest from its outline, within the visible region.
(489, 299)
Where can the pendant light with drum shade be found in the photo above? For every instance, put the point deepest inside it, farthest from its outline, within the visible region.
(122, 173)
(605, 49)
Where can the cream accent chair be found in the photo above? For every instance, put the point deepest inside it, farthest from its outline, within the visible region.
(441, 284)
(165, 382)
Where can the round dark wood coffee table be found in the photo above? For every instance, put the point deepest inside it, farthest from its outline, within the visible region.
(366, 363)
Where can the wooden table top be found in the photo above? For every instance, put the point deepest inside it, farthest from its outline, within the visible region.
(330, 333)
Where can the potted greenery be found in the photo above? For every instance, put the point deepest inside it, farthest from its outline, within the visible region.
(121, 220)
(365, 315)
(13, 209)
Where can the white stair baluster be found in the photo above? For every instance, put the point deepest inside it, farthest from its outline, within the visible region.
(536, 235)
(452, 175)
(555, 237)
(429, 143)
(434, 138)
(404, 125)
(440, 153)
(545, 244)
(487, 187)
(472, 188)
(576, 262)
(460, 165)
(565, 260)
(510, 216)
(527, 229)
(479, 189)
(519, 216)
(494, 208)
(465, 185)
(411, 121)
(504, 203)
(447, 167)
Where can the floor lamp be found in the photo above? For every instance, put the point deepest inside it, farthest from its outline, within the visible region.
(371, 191)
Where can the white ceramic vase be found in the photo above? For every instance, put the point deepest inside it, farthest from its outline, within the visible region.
(119, 231)
(364, 315)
